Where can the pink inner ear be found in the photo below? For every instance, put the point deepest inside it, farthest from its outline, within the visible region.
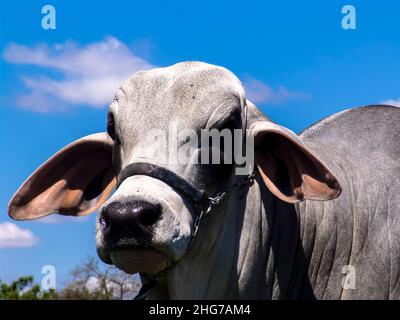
(269, 173)
(291, 172)
(75, 181)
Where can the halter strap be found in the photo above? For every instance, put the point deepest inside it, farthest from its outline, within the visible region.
(201, 201)
(198, 197)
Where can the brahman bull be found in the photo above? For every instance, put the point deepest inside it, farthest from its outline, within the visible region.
(315, 216)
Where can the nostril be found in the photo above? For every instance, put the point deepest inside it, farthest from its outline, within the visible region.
(103, 221)
(149, 214)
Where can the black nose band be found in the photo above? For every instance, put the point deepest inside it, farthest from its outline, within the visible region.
(201, 201)
(198, 197)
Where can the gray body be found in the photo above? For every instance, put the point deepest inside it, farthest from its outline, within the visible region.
(322, 219)
(285, 251)
(361, 227)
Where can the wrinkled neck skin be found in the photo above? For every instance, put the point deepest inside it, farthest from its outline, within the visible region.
(242, 252)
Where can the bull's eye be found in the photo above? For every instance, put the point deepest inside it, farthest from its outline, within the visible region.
(111, 126)
(232, 122)
(222, 169)
(116, 162)
(229, 124)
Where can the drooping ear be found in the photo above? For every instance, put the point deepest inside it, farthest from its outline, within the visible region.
(75, 181)
(289, 170)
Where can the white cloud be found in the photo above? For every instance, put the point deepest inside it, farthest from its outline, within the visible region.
(90, 74)
(11, 236)
(259, 92)
(395, 103)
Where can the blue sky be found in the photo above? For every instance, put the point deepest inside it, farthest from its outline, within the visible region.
(295, 60)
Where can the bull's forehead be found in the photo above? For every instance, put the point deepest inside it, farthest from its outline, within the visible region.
(186, 93)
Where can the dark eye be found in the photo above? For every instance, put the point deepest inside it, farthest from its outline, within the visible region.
(220, 171)
(231, 123)
(111, 126)
(116, 161)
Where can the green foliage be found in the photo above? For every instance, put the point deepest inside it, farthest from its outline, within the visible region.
(25, 289)
(88, 281)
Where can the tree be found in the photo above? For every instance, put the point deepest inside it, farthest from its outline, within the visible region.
(25, 289)
(90, 281)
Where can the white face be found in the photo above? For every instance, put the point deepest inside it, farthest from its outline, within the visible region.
(146, 225)
(169, 236)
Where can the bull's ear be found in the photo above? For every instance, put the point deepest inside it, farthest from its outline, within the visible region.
(289, 170)
(75, 181)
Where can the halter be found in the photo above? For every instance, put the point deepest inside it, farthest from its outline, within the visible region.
(202, 202)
